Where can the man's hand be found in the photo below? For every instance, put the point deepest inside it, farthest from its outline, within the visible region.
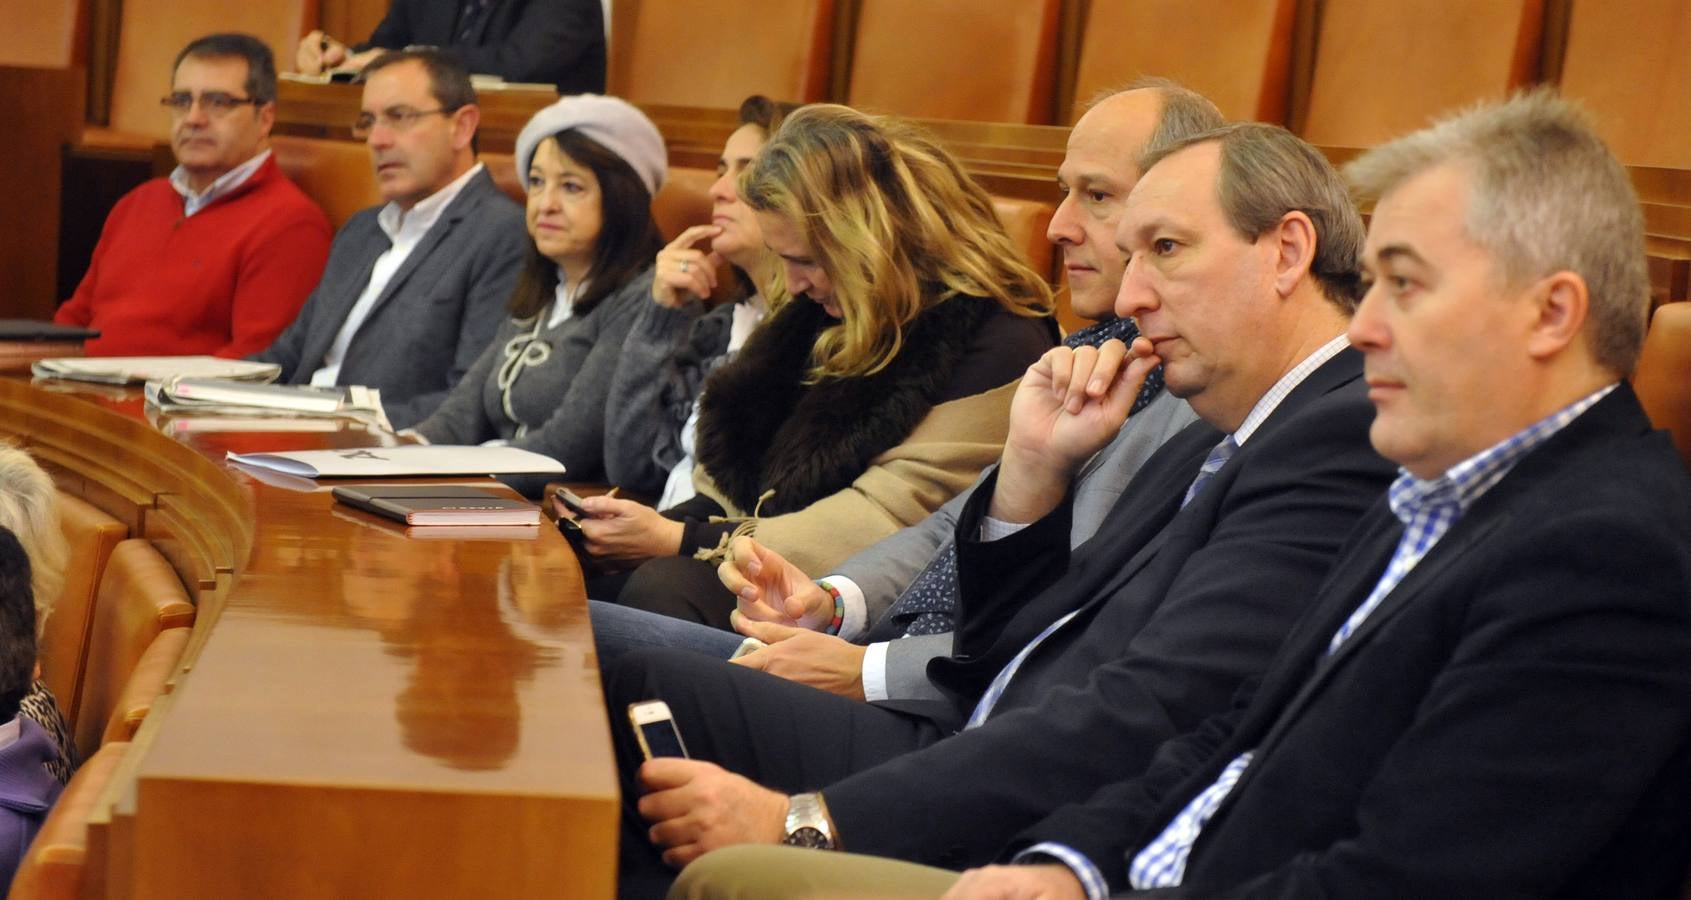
(624, 533)
(1048, 882)
(1069, 405)
(767, 588)
(682, 271)
(819, 660)
(696, 807)
(317, 51)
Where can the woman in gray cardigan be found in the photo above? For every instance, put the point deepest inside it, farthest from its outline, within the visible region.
(674, 345)
(592, 165)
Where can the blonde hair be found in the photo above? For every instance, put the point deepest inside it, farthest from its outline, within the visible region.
(29, 507)
(895, 223)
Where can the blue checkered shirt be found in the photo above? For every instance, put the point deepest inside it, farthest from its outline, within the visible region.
(1427, 510)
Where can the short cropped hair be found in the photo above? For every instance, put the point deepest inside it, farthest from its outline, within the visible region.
(1267, 172)
(261, 63)
(1546, 196)
(29, 508)
(1184, 111)
(17, 626)
(449, 81)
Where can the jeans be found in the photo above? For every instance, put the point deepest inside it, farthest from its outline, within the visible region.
(619, 629)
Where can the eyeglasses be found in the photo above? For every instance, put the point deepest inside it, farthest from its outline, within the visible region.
(395, 118)
(215, 103)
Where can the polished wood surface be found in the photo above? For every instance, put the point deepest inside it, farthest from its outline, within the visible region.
(363, 710)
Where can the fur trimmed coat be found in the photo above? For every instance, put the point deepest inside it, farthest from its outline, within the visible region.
(848, 461)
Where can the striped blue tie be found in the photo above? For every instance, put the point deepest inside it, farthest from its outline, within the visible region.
(995, 691)
(1212, 464)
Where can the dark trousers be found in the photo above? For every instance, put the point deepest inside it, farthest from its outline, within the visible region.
(677, 586)
(780, 734)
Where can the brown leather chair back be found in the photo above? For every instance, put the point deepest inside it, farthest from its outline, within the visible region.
(1630, 63)
(154, 31)
(1385, 67)
(502, 167)
(1025, 221)
(335, 174)
(715, 53)
(956, 59)
(51, 35)
(683, 201)
(140, 596)
(55, 866)
(1238, 54)
(64, 639)
(146, 683)
(1663, 376)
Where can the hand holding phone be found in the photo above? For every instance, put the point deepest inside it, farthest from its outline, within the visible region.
(654, 728)
(572, 502)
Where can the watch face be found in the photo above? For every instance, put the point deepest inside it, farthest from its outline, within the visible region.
(806, 836)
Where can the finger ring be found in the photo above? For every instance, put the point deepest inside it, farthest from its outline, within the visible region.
(685, 265)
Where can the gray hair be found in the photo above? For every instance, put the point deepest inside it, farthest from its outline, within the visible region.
(1547, 196)
(29, 506)
(1267, 172)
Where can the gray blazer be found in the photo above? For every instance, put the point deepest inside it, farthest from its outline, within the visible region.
(435, 316)
(559, 402)
(888, 567)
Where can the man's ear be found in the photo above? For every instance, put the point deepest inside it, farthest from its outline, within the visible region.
(1561, 303)
(465, 121)
(1294, 242)
(266, 118)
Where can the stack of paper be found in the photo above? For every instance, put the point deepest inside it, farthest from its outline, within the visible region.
(221, 397)
(410, 459)
(137, 369)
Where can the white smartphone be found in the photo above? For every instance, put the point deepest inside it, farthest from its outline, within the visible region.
(655, 729)
(749, 645)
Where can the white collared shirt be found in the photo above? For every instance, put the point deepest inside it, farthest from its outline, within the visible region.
(228, 181)
(405, 230)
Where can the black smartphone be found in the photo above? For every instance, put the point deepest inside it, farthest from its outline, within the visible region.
(655, 729)
(572, 502)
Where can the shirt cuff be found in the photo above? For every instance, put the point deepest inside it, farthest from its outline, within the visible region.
(998, 529)
(1091, 879)
(875, 671)
(856, 619)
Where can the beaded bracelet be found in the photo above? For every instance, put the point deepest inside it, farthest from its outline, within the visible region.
(839, 605)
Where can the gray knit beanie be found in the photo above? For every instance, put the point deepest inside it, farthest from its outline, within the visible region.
(613, 122)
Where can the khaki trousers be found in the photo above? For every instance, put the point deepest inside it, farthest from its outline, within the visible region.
(758, 872)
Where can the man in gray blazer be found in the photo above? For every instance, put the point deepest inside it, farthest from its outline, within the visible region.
(898, 595)
(413, 289)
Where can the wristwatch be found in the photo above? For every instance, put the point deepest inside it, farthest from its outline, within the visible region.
(808, 823)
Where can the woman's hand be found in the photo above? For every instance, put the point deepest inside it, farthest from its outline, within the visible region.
(683, 272)
(624, 534)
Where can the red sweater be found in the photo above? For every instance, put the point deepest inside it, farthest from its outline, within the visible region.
(224, 281)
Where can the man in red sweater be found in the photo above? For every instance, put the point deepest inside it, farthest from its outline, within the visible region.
(218, 258)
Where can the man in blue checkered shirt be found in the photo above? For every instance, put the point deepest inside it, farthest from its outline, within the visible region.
(1491, 696)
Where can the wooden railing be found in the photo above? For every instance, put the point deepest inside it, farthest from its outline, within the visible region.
(361, 712)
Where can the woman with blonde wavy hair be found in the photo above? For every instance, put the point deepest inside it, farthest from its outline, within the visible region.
(901, 316)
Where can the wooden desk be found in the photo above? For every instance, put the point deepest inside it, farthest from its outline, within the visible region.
(361, 713)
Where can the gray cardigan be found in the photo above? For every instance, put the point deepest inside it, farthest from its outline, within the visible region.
(561, 400)
(668, 355)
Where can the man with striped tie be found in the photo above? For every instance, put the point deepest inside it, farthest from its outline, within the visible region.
(1071, 667)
